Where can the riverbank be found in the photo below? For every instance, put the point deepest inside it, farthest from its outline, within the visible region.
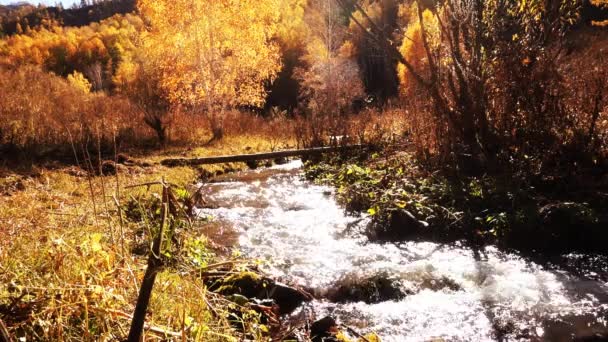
(74, 243)
(542, 213)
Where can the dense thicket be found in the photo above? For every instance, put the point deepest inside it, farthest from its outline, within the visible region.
(58, 118)
(485, 83)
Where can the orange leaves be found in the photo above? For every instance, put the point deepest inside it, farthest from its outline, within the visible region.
(412, 47)
(63, 50)
(213, 54)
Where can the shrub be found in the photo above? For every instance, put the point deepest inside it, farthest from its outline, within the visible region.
(42, 113)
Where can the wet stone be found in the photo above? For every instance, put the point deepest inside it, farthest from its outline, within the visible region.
(281, 161)
(401, 225)
(253, 286)
(443, 283)
(371, 290)
(323, 330)
(252, 164)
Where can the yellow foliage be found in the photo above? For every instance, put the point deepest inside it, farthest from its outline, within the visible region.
(347, 50)
(292, 29)
(78, 80)
(412, 47)
(65, 49)
(213, 54)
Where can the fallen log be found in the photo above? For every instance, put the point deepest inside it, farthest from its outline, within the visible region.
(257, 156)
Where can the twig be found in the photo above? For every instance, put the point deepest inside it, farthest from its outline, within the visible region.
(150, 184)
(215, 274)
(154, 265)
(142, 184)
(62, 214)
(103, 186)
(90, 179)
(4, 335)
(215, 314)
(224, 263)
(121, 225)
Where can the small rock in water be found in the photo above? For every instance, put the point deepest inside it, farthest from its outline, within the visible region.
(401, 225)
(280, 161)
(323, 330)
(376, 289)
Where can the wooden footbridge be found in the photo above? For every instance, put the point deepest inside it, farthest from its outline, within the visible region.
(258, 156)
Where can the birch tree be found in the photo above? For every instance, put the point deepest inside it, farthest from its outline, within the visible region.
(213, 54)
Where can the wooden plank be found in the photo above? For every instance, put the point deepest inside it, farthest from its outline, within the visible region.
(257, 156)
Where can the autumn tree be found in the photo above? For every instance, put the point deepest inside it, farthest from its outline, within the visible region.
(378, 69)
(291, 37)
(331, 80)
(214, 55)
(95, 50)
(139, 79)
(488, 68)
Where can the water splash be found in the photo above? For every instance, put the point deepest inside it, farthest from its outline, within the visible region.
(303, 235)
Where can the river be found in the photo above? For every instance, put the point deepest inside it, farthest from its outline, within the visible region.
(445, 292)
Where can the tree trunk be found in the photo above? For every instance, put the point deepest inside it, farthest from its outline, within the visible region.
(156, 123)
(217, 127)
(162, 135)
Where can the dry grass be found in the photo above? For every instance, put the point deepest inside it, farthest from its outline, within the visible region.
(67, 271)
(45, 114)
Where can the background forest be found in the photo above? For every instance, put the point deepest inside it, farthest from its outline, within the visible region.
(493, 80)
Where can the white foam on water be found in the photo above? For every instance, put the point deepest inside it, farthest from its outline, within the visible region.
(304, 235)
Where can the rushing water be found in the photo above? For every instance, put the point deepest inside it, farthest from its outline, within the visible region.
(454, 293)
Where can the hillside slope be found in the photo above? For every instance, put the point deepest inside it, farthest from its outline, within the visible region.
(26, 15)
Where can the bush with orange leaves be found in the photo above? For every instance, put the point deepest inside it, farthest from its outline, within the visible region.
(502, 85)
(43, 114)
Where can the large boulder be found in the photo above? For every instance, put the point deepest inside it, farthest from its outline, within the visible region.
(400, 225)
(254, 286)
